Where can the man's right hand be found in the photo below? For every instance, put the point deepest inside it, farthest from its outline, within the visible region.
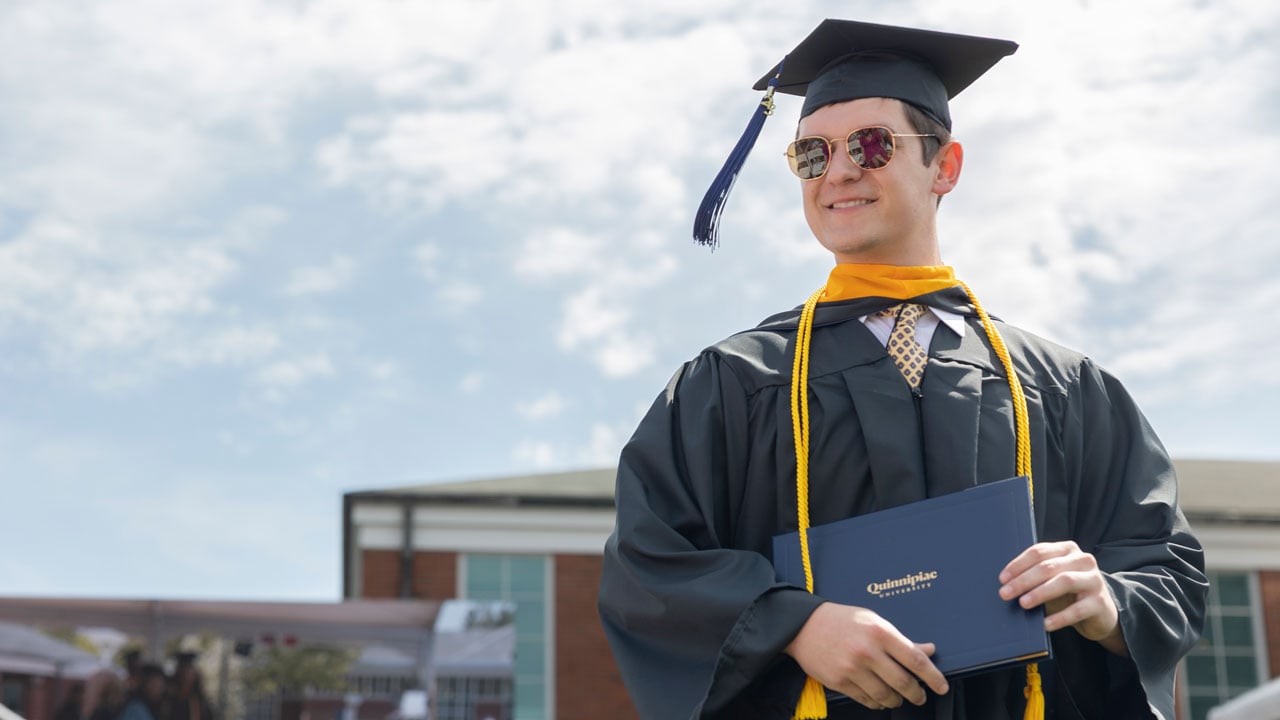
(854, 651)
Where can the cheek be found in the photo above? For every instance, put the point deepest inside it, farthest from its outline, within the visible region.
(809, 203)
(809, 194)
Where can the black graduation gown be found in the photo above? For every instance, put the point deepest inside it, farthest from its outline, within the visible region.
(688, 598)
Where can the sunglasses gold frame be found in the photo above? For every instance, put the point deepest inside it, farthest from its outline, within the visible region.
(827, 142)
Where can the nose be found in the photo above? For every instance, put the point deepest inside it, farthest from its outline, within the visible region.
(842, 167)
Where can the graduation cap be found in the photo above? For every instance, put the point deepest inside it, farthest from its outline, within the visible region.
(845, 60)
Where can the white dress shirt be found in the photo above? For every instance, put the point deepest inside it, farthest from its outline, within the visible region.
(881, 326)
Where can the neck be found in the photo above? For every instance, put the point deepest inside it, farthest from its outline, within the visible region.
(926, 255)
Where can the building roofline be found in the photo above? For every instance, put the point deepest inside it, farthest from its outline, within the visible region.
(591, 488)
(480, 499)
(1225, 492)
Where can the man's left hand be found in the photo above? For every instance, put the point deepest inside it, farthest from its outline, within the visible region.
(1067, 581)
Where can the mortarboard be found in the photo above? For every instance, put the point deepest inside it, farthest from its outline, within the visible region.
(846, 60)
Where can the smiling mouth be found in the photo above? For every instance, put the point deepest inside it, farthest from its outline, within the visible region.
(849, 204)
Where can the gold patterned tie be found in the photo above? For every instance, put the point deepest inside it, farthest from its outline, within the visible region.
(902, 346)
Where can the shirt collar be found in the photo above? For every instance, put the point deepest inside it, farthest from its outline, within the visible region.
(955, 321)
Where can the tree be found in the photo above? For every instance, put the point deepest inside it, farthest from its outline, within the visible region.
(295, 669)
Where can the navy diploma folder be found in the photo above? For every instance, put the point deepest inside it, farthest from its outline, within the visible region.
(932, 569)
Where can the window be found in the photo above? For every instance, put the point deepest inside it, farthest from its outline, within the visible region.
(13, 694)
(460, 698)
(1228, 659)
(521, 579)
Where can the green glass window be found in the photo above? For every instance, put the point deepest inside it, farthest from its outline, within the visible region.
(521, 579)
(1227, 661)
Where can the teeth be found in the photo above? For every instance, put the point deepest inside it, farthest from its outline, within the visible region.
(849, 204)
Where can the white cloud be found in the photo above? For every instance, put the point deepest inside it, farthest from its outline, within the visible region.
(283, 376)
(427, 256)
(537, 455)
(384, 370)
(528, 141)
(459, 296)
(471, 382)
(545, 406)
(590, 315)
(435, 157)
(557, 252)
(89, 292)
(321, 279)
(604, 445)
(232, 346)
(598, 448)
(624, 354)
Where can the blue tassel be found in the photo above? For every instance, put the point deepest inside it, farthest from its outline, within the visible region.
(707, 221)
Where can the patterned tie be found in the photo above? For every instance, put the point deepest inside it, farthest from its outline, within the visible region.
(902, 346)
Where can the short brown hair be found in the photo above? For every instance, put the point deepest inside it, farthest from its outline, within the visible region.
(924, 123)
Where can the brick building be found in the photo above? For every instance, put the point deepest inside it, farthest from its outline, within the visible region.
(38, 672)
(534, 540)
(537, 541)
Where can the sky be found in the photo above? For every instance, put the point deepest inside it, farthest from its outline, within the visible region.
(255, 254)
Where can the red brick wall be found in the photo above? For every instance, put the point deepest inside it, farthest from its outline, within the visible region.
(435, 575)
(1269, 589)
(588, 685)
(379, 574)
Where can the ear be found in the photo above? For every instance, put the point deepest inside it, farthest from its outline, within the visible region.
(950, 159)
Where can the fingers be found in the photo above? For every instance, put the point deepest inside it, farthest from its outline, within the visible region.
(1068, 583)
(1039, 573)
(1039, 555)
(857, 652)
(1079, 614)
(919, 665)
(896, 675)
(887, 685)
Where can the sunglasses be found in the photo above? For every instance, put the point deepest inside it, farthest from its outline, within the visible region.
(870, 148)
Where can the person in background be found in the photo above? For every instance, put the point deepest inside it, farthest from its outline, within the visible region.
(187, 700)
(72, 707)
(110, 700)
(147, 700)
(132, 659)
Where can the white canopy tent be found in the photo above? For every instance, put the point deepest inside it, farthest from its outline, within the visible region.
(27, 651)
(1260, 703)
(403, 624)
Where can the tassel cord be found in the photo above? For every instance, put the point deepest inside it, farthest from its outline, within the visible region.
(706, 224)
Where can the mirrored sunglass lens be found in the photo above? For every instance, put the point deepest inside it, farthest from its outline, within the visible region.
(871, 148)
(809, 157)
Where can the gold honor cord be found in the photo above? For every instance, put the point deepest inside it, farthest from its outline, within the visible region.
(813, 699)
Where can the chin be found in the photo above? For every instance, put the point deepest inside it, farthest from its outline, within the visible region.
(847, 250)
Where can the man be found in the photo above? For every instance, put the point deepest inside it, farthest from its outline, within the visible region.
(147, 700)
(187, 699)
(697, 621)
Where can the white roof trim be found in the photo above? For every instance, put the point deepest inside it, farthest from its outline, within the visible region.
(1237, 547)
(489, 529)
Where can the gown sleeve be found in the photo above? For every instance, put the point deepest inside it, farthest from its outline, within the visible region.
(1127, 516)
(696, 626)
